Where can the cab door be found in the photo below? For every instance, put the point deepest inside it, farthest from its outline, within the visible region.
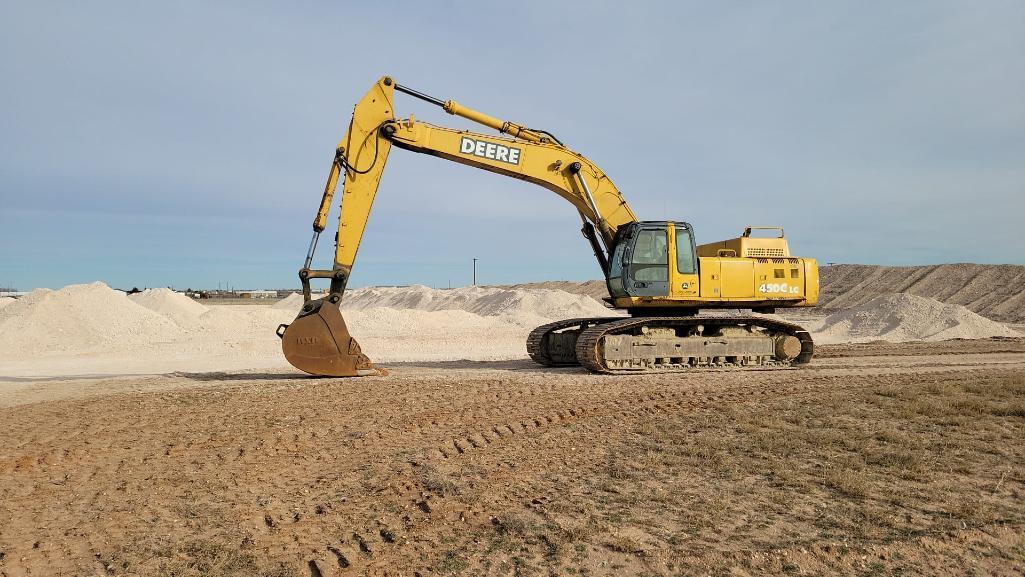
(684, 270)
(647, 258)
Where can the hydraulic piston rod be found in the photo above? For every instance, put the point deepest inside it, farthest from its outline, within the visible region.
(454, 108)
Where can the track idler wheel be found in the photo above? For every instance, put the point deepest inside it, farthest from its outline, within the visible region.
(319, 343)
(788, 347)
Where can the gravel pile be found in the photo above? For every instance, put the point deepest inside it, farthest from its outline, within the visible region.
(484, 301)
(175, 306)
(79, 319)
(92, 329)
(906, 317)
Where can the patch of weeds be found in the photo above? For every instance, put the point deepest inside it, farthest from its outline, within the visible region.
(891, 457)
(502, 542)
(510, 523)
(972, 511)
(282, 570)
(615, 467)
(450, 562)
(554, 543)
(207, 558)
(625, 544)
(437, 482)
(847, 481)
(1014, 409)
(575, 532)
(888, 392)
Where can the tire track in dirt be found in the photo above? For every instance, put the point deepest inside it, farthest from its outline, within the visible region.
(261, 447)
(541, 451)
(491, 435)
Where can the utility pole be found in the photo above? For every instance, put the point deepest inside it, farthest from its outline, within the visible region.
(474, 272)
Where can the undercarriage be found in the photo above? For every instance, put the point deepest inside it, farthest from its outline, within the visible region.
(617, 345)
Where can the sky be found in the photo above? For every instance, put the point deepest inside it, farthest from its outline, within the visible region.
(186, 144)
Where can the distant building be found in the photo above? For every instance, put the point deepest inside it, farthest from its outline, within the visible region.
(258, 294)
(282, 293)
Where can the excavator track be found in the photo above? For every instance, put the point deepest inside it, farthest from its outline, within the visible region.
(554, 344)
(676, 344)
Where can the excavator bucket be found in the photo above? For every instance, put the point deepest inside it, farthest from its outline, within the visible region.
(319, 343)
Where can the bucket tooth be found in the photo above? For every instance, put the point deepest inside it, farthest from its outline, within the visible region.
(319, 343)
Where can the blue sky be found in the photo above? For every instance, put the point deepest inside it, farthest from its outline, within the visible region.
(187, 143)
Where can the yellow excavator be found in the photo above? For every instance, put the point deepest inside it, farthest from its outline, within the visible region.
(653, 269)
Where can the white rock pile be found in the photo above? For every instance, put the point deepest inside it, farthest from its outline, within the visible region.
(93, 329)
(905, 317)
(79, 319)
(175, 306)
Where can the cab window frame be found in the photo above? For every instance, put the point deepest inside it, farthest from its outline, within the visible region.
(685, 249)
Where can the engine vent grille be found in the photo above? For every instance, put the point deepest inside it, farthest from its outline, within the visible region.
(765, 252)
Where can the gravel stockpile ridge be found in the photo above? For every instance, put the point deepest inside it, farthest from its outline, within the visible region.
(484, 301)
(994, 291)
(176, 306)
(93, 329)
(906, 317)
(79, 318)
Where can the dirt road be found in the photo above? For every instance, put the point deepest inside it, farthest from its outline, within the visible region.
(877, 458)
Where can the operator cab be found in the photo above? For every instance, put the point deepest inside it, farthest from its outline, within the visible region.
(641, 257)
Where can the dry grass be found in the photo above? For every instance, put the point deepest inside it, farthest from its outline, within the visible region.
(437, 482)
(867, 470)
(846, 474)
(213, 557)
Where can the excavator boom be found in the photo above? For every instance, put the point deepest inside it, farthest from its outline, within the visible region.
(534, 156)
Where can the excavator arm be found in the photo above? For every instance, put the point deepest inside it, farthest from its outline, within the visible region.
(530, 155)
(318, 341)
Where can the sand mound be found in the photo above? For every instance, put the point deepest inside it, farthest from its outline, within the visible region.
(484, 301)
(595, 289)
(4, 301)
(906, 317)
(515, 306)
(393, 335)
(91, 329)
(292, 302)
(175, 306)
(78, 318)
(994, 291)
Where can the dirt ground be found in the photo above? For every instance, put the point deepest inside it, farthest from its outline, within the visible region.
(876, 459)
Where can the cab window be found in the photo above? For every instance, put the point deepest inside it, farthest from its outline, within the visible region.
(685, 261)
(616, 270)
(650, 257)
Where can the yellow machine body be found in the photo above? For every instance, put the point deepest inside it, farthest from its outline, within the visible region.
(744, 272)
